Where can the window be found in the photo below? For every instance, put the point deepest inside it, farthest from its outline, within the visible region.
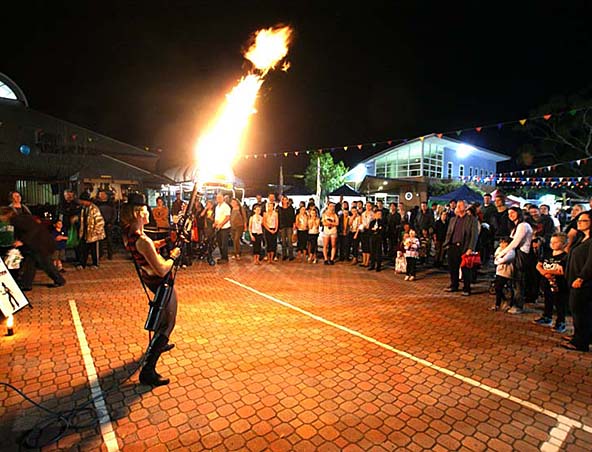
(482, 172)
(461, 170)
(470, 171)
(449, 170)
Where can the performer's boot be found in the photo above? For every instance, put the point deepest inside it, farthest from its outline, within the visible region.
(148, 375)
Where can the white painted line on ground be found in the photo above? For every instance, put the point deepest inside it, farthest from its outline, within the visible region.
(95, 388)
(557, 434)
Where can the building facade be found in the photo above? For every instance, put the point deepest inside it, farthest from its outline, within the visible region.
(402, 172)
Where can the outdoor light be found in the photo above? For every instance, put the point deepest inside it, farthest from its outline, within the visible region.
(359, 173)
(10, 326)
(464, 150)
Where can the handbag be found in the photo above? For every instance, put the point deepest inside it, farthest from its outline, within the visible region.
(470, 260)
(73, 239)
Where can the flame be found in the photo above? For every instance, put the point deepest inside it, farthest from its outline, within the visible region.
(218, 147)
(10, 321)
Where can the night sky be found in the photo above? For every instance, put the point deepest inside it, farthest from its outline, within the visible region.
(153, 73)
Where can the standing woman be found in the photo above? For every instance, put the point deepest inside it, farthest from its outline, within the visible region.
(238, 225)
(161, 215)
(256, 233)
(153, 269)
(367, 217)
(270, 223)
(579, 278)
(330, 222)
(355, 222)
(521, 243)
(302, 233)
(314, 226)
(17, 205)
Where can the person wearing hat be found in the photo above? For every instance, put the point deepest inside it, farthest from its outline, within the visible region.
(152, 269)
(90, 232)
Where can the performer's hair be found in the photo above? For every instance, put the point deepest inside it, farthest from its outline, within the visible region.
(128, 214)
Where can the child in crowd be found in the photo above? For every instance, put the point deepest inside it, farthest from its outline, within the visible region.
(424, 246)
(504, 267)
(400, 262)
(60, 237)
(411, 255)
(551, 266)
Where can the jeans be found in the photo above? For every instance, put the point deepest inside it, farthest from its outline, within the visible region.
(454, 259)
(222, 238)
(286, 240)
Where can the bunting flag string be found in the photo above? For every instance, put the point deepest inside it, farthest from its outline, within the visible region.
(552, 182)
(372, 145)
(546, 168)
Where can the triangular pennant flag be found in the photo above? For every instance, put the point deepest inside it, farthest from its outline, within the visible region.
(547, 117)
(296, 153)
(499, 126)
(421, 138)
(458, 132)
(255, 156)
(390, 142)
(522, 122)
(307, 152)
(573, 112)
(439, 135)
(478, 129)
(345, 148)
(360, 147)
(285, 154)
(373, 145)
(247, 157)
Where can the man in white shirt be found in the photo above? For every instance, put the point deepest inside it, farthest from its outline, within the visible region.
(222, 226)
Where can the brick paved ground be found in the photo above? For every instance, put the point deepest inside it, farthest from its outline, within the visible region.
(250, 373)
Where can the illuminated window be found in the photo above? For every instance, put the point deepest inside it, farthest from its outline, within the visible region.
(461, 170)
(6, 92)
(449, 170)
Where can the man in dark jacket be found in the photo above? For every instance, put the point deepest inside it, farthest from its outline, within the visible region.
(36, 245)
(461, 238)
(424, 219)
(393, 226)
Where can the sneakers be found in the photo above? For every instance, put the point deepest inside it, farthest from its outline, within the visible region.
(515, 310)
(494, 308)
(94, 267)
(466, 294)
(412, 278)
(450, 289)
(560, 328)
(406, 277)
(544, 321)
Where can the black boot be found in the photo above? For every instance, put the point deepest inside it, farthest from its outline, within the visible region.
(148, 375)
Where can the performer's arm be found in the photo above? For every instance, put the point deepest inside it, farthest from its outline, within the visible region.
(159, 265)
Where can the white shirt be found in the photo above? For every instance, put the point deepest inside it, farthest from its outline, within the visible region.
(521, 238)
(222, 211)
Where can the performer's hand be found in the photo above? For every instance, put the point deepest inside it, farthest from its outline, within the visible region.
(175, 253)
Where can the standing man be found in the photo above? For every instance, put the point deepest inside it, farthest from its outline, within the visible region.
(461, 238)
(222, 226)
(499, 219)
(108, 212)
(384, 217)
(287, 224)
(177, 204)
(424, 219)
(393, 226)
(92, 230)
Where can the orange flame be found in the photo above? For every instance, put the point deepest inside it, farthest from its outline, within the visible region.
(217, 149)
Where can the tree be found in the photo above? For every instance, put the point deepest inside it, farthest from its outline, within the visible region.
(561, 137)
(332, 174)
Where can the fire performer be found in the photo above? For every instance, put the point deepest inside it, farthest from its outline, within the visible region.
(153, 270)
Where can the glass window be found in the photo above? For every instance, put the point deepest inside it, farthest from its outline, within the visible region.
(470, 171)
(6, 92)
(449, 171)
(461, 170)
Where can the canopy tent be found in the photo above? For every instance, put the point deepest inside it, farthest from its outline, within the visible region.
(345, 190)
(463, 193)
